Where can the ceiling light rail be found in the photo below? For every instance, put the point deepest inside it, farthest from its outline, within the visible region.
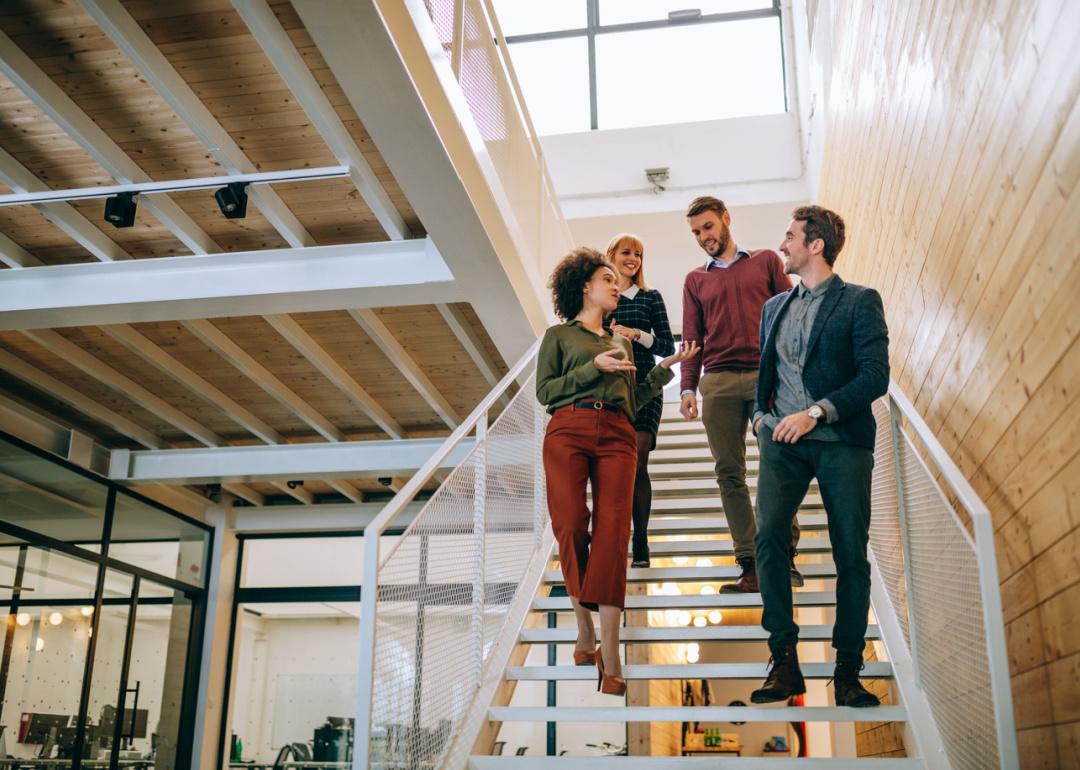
(178, 185)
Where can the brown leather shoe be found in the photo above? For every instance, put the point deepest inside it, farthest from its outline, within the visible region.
(747, 582)
(784, 680)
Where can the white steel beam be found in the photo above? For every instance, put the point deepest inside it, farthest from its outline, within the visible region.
(75, 225)
(326, 517)
(341, 460)
(214, 285)
(333, 371)
(279, 48)
(418, 126)
(17, 67)
(405, 363)
(123, 30)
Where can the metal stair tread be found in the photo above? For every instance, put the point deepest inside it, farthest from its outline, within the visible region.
(697, 714)
(755, 671)
(807, 633)
(693, 602)
(676, 763)
(667, 525)
(705, 547)
(697, 574)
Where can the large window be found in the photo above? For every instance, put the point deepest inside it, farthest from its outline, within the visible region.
(602, 64)
(102, 596)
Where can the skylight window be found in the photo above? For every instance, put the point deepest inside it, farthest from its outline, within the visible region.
(605, 64)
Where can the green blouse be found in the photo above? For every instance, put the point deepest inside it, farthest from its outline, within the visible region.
(565, 371)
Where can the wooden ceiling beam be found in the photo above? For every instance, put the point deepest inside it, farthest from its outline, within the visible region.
(148, 59)
(17, 67)
(470, 340)
(288, 328)
(218, 341)
(61, 346)
(279, 48)
(20, 179)
(406, 364)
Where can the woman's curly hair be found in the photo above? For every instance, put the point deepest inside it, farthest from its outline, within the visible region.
(567, 282)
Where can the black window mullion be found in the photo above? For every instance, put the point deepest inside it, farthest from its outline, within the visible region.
(121, 696)
(230, 651)
(95, 622)
(593, 22)
(9, 632)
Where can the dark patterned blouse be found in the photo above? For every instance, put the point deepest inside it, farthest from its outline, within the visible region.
(644, 309)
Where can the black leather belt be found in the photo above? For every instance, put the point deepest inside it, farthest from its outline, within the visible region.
(597, 405)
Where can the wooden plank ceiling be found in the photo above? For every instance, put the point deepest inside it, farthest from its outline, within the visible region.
(210, 47)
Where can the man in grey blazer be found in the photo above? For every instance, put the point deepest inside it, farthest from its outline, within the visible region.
(824, 361)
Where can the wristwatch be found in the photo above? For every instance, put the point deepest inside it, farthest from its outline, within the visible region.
(816, 412)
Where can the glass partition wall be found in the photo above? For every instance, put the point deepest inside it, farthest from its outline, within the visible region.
(293, 647)
(101, 596)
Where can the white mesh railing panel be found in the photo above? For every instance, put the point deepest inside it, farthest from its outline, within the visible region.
(942, 612)
(885, 521)
(445, 589)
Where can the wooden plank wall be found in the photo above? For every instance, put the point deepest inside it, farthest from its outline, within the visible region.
(952, 152)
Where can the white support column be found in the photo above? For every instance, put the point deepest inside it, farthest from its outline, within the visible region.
(211, 697)
(406, 364)
(279, 48)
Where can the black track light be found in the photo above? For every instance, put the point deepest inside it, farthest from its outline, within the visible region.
(120, 210)
(232, 200)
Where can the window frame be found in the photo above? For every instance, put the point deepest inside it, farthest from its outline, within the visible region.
(594, 28)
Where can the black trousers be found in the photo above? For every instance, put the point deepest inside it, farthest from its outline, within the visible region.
(844, 473)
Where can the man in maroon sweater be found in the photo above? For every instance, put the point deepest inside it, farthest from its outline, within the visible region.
(722, 303)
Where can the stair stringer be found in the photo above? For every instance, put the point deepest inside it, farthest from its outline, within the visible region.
(492, 676)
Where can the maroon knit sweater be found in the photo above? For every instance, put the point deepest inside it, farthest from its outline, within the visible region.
(722, 312)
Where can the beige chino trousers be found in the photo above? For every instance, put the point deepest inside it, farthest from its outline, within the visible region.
(727, 404)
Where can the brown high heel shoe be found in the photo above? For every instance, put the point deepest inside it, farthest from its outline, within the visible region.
(584, 658)
(609, 685)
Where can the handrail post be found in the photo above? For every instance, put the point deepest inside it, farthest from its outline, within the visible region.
(366, 671)
(997, 654)
(539, 498)
(905, 539)
(479, 508)
(457, 39)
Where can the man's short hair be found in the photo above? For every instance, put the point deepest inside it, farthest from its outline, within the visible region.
(705, 203)
(819, 222)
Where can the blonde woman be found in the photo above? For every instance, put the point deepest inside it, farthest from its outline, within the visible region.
(641, 318)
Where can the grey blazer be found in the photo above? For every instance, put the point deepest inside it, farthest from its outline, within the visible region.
(847, 359)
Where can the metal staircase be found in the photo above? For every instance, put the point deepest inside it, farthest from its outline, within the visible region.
(688, 521)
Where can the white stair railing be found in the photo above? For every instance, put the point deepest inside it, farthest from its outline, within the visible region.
(937, 597)
(460, 577)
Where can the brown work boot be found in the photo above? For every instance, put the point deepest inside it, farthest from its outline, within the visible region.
(784, 680)
(747, 582)
(848, 690)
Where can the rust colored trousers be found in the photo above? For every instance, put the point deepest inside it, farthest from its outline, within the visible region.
(582, 445)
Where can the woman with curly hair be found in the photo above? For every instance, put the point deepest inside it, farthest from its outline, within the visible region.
(642, 318)
(585, 377)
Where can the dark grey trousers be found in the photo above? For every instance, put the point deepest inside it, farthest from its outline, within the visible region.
(844, 473)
